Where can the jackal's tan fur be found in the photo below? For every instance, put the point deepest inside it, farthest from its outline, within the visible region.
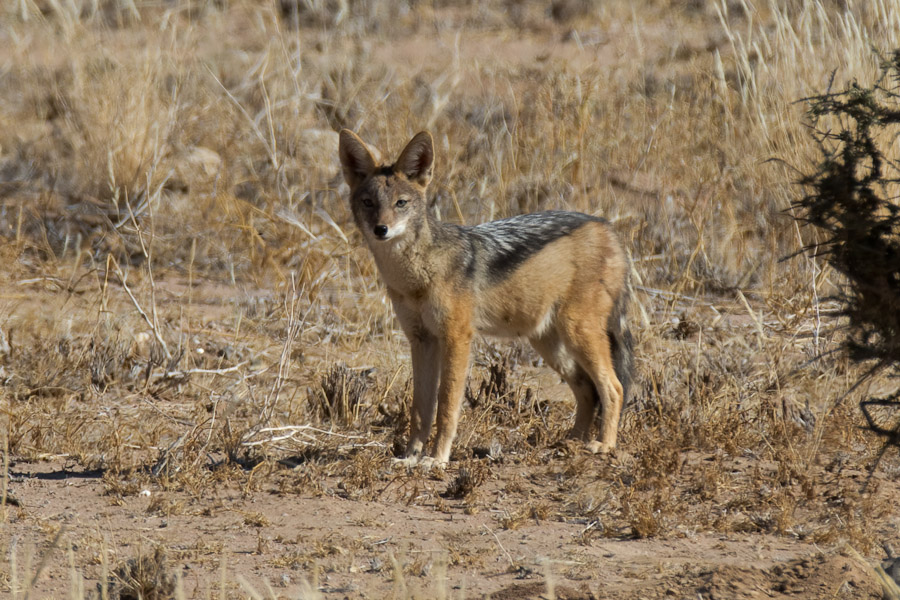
(559, 279)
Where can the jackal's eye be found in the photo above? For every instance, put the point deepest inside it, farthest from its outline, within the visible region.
(400, 203)
(367, 202)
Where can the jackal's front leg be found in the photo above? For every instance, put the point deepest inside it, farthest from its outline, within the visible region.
(426, 372)
(455, 349)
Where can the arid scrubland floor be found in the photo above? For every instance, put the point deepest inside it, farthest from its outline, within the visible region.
(200, 368)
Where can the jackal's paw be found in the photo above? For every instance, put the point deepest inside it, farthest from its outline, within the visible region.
(597, 447)
(429, 462)
(407, 462)
(425, 463)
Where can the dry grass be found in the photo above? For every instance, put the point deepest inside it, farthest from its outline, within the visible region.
(144, 577)
(186, 304)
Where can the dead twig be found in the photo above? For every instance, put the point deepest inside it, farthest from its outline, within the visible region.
(123, 279)
(290, 432)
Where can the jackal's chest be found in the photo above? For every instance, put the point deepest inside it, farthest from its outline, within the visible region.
(421, 309)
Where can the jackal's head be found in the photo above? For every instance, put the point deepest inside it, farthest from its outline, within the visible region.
(387, 200)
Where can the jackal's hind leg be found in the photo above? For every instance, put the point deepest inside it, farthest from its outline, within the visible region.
(596, 359)
(587, 341)
(560, 359)
(587, 401)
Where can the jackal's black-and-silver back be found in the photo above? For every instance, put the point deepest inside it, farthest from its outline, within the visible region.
(508, 243)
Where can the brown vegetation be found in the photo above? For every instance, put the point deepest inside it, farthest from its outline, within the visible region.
(196, 353)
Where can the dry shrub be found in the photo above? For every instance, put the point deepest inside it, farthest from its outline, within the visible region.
(51, 367)
(361, 475)
(470, 476)
(341, 397)
(146, 577)
(394, 416)
(119, 119)
(495, 386)
(852, 202)
(502, 413)
(111, 362)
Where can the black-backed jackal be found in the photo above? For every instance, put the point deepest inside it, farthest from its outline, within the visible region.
(559, 279)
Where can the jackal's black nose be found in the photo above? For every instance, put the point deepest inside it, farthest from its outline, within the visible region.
(381, 231)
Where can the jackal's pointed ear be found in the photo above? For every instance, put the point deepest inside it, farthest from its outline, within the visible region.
(356, 160)
(417, 159)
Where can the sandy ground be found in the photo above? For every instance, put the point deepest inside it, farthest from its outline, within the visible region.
(270, 538)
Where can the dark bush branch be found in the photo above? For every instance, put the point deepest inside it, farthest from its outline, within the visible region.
(849, 201)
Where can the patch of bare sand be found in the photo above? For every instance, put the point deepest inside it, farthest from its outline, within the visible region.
(269, 538)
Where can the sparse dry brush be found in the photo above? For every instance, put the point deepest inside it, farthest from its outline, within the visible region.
(852, 200)
(187, 308)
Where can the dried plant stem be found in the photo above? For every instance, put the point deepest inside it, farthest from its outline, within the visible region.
(123, 279)
(267, 143)
(509, 557)
(189, 372)
(42, 563)
(4, 484)
(292, 331)
(290, 432)
(888, 586)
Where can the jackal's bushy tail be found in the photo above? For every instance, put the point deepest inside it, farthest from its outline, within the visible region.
(620, 339)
